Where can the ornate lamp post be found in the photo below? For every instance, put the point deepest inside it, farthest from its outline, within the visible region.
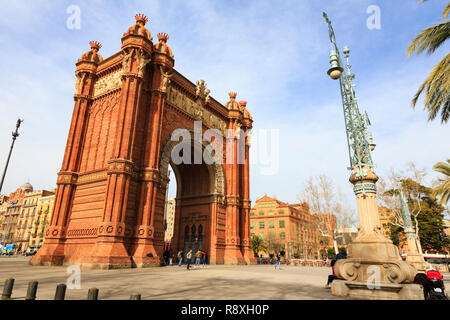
(414, 256)
(15, 134)
(374, 268)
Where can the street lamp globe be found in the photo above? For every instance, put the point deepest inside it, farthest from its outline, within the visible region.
(336, 70)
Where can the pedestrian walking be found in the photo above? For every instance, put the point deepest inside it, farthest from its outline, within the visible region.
(204, 259)
(278, 263)
(198, 256)
(188, 259)
(180, 257)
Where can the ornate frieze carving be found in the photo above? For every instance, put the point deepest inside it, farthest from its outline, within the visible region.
(181, 101)
(107, 83)
(92, 177)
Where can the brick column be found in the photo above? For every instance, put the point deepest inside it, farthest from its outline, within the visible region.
(149, 233)
(110, 250)
(52, 252)
(233, 253)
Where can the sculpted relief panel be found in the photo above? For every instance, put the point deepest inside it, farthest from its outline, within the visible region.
(108, 83)
(195, 109)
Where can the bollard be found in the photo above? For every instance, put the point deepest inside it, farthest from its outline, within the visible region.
(32, 289)
(93, 294)
(60, 292)
(135, 296)
(7, 289)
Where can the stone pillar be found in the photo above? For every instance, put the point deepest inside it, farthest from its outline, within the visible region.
(52, 252)
(150, 231)
(414, 257)
(233, 253)
(374, 268)
(110, 250)
(244, 223)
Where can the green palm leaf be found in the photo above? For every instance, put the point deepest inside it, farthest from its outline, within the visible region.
(437, 86)
(443, 190)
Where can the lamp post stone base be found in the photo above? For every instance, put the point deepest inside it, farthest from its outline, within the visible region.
(417, 261)
(384, 291)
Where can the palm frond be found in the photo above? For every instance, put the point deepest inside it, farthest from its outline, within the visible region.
(446, 11)
(430, 38)
(437, 91)
(443, 168)
(443, 190)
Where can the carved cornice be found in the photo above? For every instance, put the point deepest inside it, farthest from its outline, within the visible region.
(67, 177)
(82, 97)
(132, 76)
(122, 166)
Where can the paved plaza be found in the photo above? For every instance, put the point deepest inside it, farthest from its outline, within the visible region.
(215, 282)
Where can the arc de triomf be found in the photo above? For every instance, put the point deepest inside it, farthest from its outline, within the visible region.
(110, 198)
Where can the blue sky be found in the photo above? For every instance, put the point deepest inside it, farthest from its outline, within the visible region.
(273, 53)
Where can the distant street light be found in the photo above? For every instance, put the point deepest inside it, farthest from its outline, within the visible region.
(15, 134)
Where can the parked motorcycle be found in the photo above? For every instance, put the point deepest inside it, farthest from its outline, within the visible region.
(433, 285)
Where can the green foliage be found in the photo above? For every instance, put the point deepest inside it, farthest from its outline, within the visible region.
(429, 218)
(437, 86)
(331, 253)
(431, 226)
(394, 233)
(258, 245)
(443, 189)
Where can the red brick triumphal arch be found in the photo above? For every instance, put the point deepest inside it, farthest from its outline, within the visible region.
(109, 205)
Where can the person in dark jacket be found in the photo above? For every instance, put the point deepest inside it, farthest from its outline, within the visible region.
(331, 277)
(188, 259)
(278, 263)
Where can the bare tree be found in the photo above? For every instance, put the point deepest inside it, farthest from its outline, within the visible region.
(388, 195)
(323, 198)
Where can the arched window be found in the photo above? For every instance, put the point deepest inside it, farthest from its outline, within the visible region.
(200, 237)
(186, 240)
(193, 239)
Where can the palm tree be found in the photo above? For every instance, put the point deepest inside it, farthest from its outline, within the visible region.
(258, 245)
(437, 85)
(443, 190)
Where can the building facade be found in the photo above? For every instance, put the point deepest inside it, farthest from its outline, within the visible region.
(28, 214)
(17, 215)
(288, 227)
(11, 215)
(41, 220)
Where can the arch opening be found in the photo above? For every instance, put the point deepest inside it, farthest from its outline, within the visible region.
(192, 191)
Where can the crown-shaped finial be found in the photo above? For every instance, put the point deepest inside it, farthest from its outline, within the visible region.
(243, 103)
(141, 17)
(95, 45)
(232, 95)
(162, 36)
